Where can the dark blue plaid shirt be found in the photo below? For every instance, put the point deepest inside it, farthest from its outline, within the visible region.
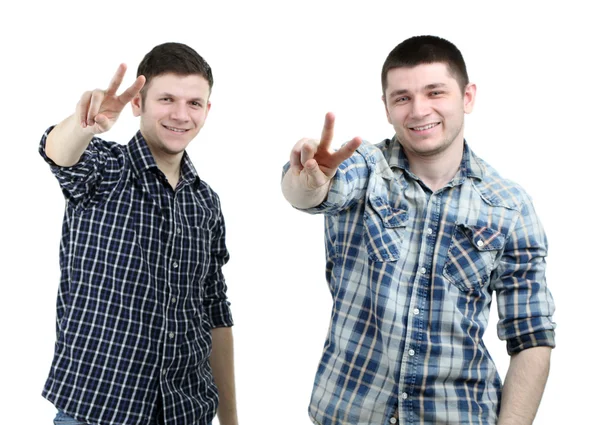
(141, 288)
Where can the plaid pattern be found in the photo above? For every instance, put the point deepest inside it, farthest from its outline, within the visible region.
(411, 275)
(141, 288)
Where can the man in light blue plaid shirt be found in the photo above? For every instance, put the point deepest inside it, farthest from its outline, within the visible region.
(419, 233)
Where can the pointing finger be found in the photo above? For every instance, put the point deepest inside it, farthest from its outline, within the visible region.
(345, 151)
(116, 81)
(133, 90)
(327, 133)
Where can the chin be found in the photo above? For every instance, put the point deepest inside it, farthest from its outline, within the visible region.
(173, 151)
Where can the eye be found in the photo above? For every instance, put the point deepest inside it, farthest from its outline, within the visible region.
(165, 99)
(196, 104)
(436, 93)
(401, 99)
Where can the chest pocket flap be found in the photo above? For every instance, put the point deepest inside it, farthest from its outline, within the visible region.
(472, 255)
(384, 229)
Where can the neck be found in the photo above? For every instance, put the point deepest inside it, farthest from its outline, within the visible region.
(170, 165)
(438, 169)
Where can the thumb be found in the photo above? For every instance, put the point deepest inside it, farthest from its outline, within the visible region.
(103, 122)
(316, 177)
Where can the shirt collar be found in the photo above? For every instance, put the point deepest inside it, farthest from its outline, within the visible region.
(142, 160)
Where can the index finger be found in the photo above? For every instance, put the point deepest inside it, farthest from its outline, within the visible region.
(327, 133)
(116, 81)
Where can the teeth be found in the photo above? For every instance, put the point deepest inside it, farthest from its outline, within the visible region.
(426, 127)
(178, 130)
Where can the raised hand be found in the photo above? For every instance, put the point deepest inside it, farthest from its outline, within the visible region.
(98, 110)
(314, 162)
(312, 166)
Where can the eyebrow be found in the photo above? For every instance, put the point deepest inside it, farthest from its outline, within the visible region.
(427, 87)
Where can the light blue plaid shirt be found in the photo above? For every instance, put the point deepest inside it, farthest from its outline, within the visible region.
(412, 274)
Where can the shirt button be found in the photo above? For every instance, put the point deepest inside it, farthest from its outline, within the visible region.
(404, 396)
(411, 352)
(416, 311)
(173, 300)
(479, 243)
(175, 265)
(164, 372)
(171, 335)
(393, 420)
(422, 270)
(429, 231)
(178, 230)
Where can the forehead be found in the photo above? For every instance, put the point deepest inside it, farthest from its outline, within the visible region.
(186, 86)
(418, 77)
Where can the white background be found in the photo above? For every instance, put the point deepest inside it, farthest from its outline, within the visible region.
(279, 67)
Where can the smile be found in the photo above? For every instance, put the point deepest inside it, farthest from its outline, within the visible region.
(425, 127)
(176, 130)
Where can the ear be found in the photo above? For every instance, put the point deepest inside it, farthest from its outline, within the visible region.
(469, 97)
(387, 113)
(208, 105)
(136, 105)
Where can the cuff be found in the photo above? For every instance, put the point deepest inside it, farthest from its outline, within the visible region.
(544, 338)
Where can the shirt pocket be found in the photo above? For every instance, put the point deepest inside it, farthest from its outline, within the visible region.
(384, 229)
(200, 251)
(472, 255)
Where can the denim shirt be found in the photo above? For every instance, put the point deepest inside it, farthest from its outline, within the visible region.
(412, 274)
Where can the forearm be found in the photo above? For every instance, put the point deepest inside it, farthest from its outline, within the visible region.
(298, 195)
(221, 362)
(67, 142)
(524, 386)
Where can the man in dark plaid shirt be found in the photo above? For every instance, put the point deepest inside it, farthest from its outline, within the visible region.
(143, 322)
(420, 233)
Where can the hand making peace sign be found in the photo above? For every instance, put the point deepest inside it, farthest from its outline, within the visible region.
(98, 110)
(313, 162)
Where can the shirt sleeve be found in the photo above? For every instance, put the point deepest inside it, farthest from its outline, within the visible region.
(349, 184)
(525, 304)
(215, 300)
(90, 177)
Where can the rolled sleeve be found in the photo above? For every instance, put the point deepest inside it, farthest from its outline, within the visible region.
(525, 304)
(80, 181)
(215, 302)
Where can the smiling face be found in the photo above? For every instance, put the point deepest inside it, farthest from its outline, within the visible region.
(426, 106)
(172, 112)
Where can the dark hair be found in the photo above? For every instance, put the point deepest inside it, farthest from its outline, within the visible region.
(425, 49)
(176, 58)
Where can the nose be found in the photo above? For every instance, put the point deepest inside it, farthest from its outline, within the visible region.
(420, 107)
(179, 111)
